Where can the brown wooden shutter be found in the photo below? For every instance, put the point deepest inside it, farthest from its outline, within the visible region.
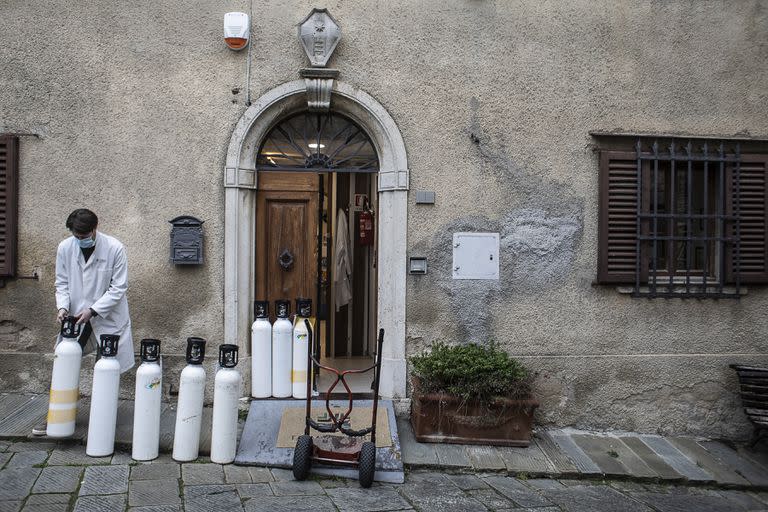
(617, 239)
(9, 166)
(753, 220)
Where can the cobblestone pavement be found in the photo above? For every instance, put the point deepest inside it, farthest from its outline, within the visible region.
(42, 476)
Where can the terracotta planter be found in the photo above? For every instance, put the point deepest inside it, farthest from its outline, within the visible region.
(441, 418)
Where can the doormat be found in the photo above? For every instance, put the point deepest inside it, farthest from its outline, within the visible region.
(292, 423)
(259, 440)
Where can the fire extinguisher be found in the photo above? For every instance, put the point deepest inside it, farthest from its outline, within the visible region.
(365, 226)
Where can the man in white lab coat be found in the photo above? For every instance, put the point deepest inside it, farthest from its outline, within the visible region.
(91, 284)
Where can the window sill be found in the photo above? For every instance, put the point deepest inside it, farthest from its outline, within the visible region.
(681, 290)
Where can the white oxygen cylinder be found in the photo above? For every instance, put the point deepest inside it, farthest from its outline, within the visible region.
(261, 351)
(226, 396)
(106, 386)
(301, 348)
(148, 402)
(282, 351)
(189, 413)
(65, 381)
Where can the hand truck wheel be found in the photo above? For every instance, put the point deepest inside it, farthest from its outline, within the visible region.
(302, 457)
(367, 464)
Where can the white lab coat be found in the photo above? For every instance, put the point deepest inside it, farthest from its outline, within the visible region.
(99, 284)
(342, 275)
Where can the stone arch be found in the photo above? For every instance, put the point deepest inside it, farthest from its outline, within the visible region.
(241, 182)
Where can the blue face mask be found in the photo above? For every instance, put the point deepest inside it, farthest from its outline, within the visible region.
(86, 243)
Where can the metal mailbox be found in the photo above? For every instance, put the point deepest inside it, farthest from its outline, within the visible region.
(186, 241)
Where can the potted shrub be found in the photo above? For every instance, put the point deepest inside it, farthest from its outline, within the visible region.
(471, 394)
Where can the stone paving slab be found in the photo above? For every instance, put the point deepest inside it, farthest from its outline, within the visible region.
(10, 506)
(485, 458)
(452, 455)
(261, 475)
(211, 498)
(531, 460)
(415, 453)
(155, 471)
(254, 490)
(491, 499)
(113, 503)
(694, 451)
(159, 508)
(237, 474)
(467, 482)
(756, 474)
(58, 479)
(602, 451)
(581, 460)
(555, 455)
(27, 459)
(47, 503)
(105, 480)
(595, 498)
(25, 446)
(20, 422)
(4, 458)
(74, 454)
(686, 502)
(375, 499)
(16, 483)
(290, 504)
(142, 493)
(651, 459)
(517, 492)
(295, 488)
(676, 459)
(202, 474)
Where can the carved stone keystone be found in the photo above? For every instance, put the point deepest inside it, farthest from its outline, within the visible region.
(319, 86)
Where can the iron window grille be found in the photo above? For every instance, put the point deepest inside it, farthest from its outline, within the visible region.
(312, 142)
(688, 211)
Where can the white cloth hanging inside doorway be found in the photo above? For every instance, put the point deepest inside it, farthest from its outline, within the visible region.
(342, 275)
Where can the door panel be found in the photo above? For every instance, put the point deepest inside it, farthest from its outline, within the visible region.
(286, 225)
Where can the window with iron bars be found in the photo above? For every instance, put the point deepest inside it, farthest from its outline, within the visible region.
(682, 216)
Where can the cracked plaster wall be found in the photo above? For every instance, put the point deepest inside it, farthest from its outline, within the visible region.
(133, 105)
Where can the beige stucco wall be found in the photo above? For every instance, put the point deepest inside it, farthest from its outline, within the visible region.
(133, 106)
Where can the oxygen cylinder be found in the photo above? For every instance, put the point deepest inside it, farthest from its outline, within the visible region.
(282, 332)
(148, 401)
(65, 381)
(300, 348)
(261, 351)
(106, 385)
(226, 395)
(189, 413)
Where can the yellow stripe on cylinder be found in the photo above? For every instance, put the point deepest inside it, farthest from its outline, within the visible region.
(64, 396)
(61, 415)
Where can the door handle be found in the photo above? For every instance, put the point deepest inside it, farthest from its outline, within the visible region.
(285, 259)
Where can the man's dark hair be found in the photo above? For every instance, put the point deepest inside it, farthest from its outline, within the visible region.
(82, 221)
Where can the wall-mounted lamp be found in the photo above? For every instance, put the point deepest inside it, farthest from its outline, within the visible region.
(236, 30)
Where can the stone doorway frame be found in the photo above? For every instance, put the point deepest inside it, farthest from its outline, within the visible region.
(241, 183)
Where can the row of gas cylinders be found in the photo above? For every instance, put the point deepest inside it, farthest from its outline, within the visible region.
(65, 380)
(280, 351)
